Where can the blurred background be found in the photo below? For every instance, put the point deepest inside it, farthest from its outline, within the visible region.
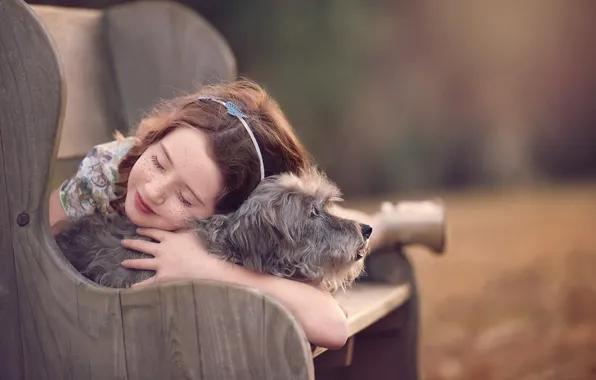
(488, 104)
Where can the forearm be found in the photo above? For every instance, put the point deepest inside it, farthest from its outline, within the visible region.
(57, 216)
(321, 318)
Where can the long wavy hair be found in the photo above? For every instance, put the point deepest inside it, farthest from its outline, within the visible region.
(231, 146)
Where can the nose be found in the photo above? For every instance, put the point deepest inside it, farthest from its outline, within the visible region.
(366, 230)
(156, 190)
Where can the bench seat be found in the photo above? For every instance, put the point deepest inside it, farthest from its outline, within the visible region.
(366, 303)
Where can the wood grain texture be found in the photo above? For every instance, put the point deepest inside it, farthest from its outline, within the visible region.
(100, 350)
(72, 329)
(161, 50)
(92, 111)
(11, 358)
(160, 333)
(391, 352)
(144, 338)
(383, 315)
(180, 330)
(367, 302)
(288, 350)
(210, 331)
(64, 332)
(231, 340)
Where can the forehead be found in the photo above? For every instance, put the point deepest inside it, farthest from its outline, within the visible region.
(191, 154)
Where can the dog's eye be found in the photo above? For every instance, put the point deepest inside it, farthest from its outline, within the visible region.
(314, 212)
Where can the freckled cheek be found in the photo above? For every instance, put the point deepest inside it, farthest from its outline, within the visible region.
(176, 213)
(145, 170)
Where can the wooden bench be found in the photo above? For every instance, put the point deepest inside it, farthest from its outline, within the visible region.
(98, 72)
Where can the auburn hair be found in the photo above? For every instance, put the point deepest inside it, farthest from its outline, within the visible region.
(231, 146)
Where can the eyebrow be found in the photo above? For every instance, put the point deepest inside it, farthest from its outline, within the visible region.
(163, 147)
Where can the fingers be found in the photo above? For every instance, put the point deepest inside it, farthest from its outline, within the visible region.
(141, 264)
(149, 281)
(153, 233)
(143, 246)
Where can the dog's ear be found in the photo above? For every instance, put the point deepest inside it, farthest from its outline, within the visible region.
(264, 207)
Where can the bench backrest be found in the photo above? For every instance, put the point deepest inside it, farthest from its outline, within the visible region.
(56, 325)
(122, 60)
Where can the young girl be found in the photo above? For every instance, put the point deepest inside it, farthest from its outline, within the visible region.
(192, 157)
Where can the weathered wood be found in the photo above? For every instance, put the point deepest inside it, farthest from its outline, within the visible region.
(59, 322)
(334, 364)
(160, 50)
(11, 350)
(336, 358)
(180, 329)
(144, 335)
(366, 303)
(92, 105)
(240, 325)
(56, 325)
(391, 352)
(160, 323)
(210, 331)
(291, 347)
(100, 352)
(383, 317)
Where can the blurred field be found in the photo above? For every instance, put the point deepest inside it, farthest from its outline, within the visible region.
(514, 297)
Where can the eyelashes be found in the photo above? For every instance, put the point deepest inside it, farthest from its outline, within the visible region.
(156, 163)
(181, 198)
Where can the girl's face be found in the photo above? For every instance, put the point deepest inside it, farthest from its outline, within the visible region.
(174, 180)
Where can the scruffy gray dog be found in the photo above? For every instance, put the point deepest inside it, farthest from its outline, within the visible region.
(284, 228)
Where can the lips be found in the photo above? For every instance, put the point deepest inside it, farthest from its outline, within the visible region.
(141, 205)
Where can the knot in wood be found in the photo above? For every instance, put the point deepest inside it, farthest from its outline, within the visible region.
(23, 219)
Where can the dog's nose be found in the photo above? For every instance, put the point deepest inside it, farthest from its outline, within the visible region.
(366, 230)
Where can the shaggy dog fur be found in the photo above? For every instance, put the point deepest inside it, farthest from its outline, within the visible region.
(284, 228)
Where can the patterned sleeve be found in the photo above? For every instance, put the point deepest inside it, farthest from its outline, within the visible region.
(91, 189)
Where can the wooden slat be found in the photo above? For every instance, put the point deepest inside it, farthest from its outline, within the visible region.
(11, 360)
(59, 323)
(144, 338)
(336, 358)
(210, 331)
(161, 49)
(366, 303)
(11, 350)
(160, 333)
(92, 107)
(230, 323)
(99, 320)
(288, 353)
(180, 331)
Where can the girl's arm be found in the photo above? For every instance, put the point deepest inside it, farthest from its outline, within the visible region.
(179, 256)
(58, 218)
(315, 310)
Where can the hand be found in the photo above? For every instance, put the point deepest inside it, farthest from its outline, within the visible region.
(178, 256)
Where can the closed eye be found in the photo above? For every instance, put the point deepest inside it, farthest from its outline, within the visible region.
(183, 200)
(156, 163)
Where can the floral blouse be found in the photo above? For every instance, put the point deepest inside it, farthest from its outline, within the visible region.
(91, 189)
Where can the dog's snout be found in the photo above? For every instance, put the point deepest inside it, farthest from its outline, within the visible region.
(366, 230)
